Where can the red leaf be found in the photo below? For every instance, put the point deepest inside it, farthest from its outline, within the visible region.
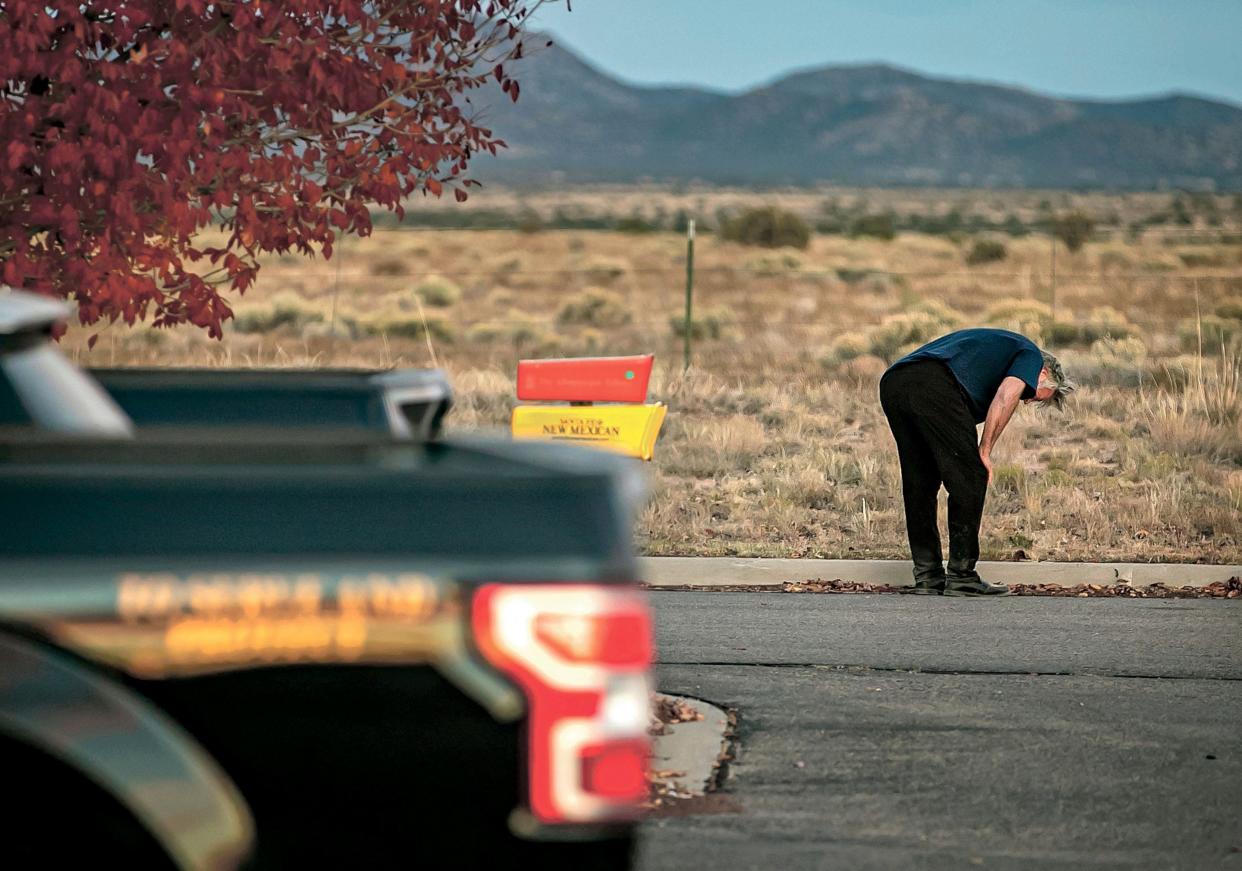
(17, 154)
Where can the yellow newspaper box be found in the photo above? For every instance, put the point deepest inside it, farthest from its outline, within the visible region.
(627, 429)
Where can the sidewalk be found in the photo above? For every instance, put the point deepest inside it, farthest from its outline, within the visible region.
(674, 571)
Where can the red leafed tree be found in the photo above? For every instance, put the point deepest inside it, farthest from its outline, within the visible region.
(128, 126)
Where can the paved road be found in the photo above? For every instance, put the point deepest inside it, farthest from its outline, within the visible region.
(911, 732)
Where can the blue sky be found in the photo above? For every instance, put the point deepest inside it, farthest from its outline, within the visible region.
(1090, 48)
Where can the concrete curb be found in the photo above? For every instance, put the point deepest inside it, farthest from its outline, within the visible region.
(694, 747)
(672, 571)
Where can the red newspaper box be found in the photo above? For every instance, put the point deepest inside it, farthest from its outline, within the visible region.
(585, 379)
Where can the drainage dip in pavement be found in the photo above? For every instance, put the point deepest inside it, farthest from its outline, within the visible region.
(689, 757)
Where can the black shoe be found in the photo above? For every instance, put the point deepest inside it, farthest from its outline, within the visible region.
(975, 586)
(929, 587)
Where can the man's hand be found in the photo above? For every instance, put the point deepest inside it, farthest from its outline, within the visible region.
(987, 464)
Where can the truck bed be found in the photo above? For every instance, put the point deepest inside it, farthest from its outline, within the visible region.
(401, 402)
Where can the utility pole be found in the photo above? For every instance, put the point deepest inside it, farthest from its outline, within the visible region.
(689, 291)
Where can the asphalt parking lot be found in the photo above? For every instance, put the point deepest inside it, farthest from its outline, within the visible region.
(913, 732)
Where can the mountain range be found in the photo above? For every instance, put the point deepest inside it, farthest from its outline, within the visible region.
(870, 124)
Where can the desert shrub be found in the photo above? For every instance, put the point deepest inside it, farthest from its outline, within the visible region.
(528, 221)
(1158, 266)
(407, 326)
(1062, 333)
(866, 369)
(774, 264)
(1018, 310)
(505, 268)
(881, 226)
(635, 223)
(853, 276)
(518, 329)
(944, 315)
(832, 225)
(714, 323)
(1111, 362)
(389, 266)
(1174, 374)
(1218, 334)
(546, 344)
(1230, 308)
(1073, 228)
(846, 347)
(898, 332)
(283, 310)
(595, 307)
(1126, 350)
(906, 349)
(485, 332)
(588, 342)
(1105, 322)
(605, 270)
(871, 280)
(526, 333)
(881, 283)
(522, 329)
(145, 336)
(395, 301)
(1115, 261)
(435, 290)
(1025, 316)
(986, 251)
(1201, 259)
(1009, 478)
(252, 318)
(807, 488)
(343, 328)
(768, 227)
(1014, 227)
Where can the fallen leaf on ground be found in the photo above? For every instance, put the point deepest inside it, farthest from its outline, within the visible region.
(666, 710)
(1230, 589)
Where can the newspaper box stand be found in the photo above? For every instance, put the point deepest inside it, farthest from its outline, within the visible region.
(630, 426)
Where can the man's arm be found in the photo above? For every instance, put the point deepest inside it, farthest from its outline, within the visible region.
(999, 412)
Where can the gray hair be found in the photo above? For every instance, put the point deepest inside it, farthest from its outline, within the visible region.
(1062, 386)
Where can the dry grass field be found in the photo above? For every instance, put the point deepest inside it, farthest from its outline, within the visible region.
(775, 444)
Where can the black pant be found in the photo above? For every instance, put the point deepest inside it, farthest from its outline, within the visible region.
(937, 444)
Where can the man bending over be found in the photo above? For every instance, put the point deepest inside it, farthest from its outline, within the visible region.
(933, 398)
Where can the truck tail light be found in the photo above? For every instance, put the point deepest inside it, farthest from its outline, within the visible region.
(617, 770)
(581, 654)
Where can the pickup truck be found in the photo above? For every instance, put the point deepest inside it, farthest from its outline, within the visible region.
(321, 646)
(407, 403)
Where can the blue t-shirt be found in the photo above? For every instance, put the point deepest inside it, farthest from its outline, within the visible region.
(980, 359)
